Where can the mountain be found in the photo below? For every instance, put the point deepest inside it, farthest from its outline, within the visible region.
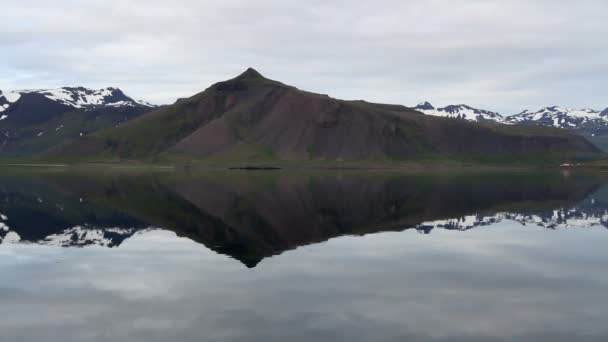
(252, 118)
(33, 121)
(589, 123)
(74, 97)
(562, 118)
(460, 111)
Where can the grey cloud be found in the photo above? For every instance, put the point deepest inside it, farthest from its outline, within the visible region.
(499, 55)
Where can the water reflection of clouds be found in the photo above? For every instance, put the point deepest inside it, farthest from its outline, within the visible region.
(502, 283)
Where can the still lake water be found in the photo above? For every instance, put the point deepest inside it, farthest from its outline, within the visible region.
(270, 256)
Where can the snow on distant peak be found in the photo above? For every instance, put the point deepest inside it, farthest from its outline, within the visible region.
(77, 97)
(11, 96)
(561, 117)
(460, 111)
(145, 103)
(425, 106)
(7, 99)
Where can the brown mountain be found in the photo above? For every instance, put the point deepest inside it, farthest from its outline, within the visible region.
(254, 118)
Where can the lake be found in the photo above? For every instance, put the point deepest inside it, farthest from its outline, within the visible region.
(303, 256)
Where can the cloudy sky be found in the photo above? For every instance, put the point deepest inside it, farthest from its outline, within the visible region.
(499, 55)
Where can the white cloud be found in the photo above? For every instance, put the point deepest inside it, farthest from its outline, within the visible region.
(499, 55)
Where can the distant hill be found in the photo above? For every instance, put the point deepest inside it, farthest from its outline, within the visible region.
(33, 121)
(252, 118)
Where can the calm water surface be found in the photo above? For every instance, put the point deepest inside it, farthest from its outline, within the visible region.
(270, 256)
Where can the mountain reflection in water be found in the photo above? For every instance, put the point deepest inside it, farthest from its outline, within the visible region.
(250, 216)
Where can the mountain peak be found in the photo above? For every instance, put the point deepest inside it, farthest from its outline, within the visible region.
(425, 105)
(249, 78)
(251, 74)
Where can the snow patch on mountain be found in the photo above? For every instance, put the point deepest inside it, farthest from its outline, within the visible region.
(460, 111)
(83, 236)
(7, 99)
(145, 103)
(554, 116)
(11, 96)
(80, 97)
(561, 117)
(77, 97)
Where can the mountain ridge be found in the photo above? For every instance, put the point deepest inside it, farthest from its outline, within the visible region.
(461, 111)
(77, 97)
(554, 116)
(589, 123)
(561, 117)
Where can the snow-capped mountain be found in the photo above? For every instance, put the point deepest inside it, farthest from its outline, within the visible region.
(78, 236)
(75, 97)
(33, 121)
(562, 118)
(554, 116)
(590, 123)
(460, 111)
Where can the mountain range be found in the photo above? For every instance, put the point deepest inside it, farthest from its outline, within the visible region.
(254, 119)
(34, 121)
(590, 123)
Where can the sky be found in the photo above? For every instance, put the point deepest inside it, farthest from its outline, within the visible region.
(500, 55)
